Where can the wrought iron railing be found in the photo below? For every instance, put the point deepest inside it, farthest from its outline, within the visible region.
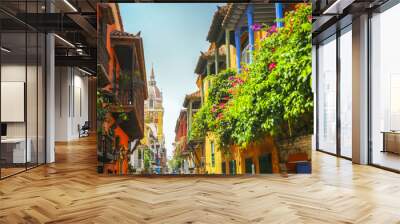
(131, 96)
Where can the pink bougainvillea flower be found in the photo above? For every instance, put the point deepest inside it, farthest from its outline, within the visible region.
(272, 29)
(221, 105)
(272, 66)
(256, 27)
(239, 81)
(231, 78)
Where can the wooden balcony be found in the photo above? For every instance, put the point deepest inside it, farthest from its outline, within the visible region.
(130, 100)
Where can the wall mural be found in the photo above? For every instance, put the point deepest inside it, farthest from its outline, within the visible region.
(251, 111)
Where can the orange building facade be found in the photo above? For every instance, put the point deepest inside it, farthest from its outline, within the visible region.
(121, 91)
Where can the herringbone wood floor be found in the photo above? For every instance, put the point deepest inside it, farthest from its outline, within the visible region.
(70, 191)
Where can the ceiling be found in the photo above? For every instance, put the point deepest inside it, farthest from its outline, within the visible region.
(74, 22)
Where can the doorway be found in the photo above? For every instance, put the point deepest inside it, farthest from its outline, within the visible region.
(265, 163)
(248, 165)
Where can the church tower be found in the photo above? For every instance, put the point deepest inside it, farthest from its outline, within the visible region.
(154, 130)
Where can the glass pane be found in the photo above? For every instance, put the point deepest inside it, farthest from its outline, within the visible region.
(385, 114)
(327, 96)
(41, 99)
(13, 85)
(31, 98)
(346, 94)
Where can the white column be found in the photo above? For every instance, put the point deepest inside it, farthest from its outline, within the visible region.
(50, 94)
(360, 90)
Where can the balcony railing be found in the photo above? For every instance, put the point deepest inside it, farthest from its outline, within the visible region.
(129, 100)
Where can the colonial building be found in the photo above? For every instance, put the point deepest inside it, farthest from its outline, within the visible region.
(232, 39)
(152, 154)
(190, 151)
(180, 143)
(121, 90)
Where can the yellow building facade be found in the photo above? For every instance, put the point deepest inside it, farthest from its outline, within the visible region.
(260, 157)
(154, 138)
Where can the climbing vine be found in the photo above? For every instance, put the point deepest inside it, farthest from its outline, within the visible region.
(272, 96)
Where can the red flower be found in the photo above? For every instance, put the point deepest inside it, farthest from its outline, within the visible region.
(220, 116)
(309, 17)
(272, 66)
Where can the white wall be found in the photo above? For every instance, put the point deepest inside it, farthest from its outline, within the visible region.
(71, 102)
(34, 125)
(16, 73)
(12, 73)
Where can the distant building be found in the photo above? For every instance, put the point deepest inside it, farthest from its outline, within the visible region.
(180, 143)
(190, 151)
(121, 89)
(154, 139)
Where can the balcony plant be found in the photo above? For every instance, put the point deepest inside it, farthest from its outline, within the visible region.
(210, 116)
(275, 97)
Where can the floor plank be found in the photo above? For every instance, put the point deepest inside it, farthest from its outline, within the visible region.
(70, 191)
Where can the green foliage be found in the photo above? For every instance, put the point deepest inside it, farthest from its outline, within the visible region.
(276, 97)
(102, 104)
(210, 115)
(175, 163)
(146, 158)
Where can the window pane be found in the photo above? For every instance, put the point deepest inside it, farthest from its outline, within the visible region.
(31, 97)
(385, 84)
(346, 94)
(14, 150)
(41, 99)
(327, 96)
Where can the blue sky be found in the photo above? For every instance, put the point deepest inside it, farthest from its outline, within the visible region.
(173, 36)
